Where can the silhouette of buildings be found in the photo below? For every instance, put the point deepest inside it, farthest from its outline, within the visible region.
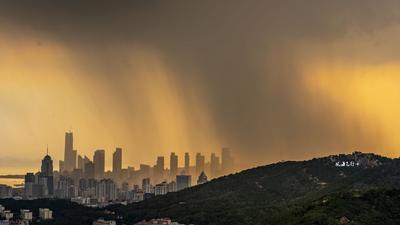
(144, 170)
(89, 170)
(106, 190)
(81, 163)
(29, 185)
(69, 163)
(46, 174)
(214, 165)
(146, 186)
(5, 191)
(173, 164)
(226, 161)
(86, 182)
(172, 186)
(99, 164)
(200, 161)
(117, 163)
(159, 169)
(187, 163)
(41, 184)
(183, 181)
(47, 166)
(161, 189)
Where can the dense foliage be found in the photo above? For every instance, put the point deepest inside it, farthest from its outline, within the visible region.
(64, 212)
(375, 207)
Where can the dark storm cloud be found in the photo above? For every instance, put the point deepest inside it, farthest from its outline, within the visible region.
(238, 54)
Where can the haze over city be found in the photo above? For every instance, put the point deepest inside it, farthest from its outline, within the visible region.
(272, 80)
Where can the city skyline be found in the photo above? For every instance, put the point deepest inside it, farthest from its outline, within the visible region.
(217, 165)
(86, 181)
(72, 156)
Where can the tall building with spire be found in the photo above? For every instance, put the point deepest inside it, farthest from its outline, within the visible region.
(47, 166)
(46, 174)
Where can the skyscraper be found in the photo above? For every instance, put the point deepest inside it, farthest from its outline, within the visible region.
(161, 189)
(81, 163)
(226, 161)
(29, 185)
(160, 162)
(146, 186)
(106, 190)
(47, 166)
(85, 161)
(69, 153)
(199, 163)
(187, 163)
(173, 165)
(159, 168)
(89, 170)
(144, 170)
(99, 164)
(214, 165)
(46, 174)
(117, 162)
(74, 156)
(183, 181)
(61, 166)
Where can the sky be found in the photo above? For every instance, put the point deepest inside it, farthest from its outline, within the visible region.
(272, 80)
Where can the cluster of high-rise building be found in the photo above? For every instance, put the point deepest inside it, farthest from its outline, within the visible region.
(74, 164)
(41, 184)
(86, 181)
(5, 191)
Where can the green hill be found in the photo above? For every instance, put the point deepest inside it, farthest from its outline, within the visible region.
(374, 207)
(251, 196)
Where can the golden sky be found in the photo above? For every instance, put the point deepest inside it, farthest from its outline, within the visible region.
(273, 80)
